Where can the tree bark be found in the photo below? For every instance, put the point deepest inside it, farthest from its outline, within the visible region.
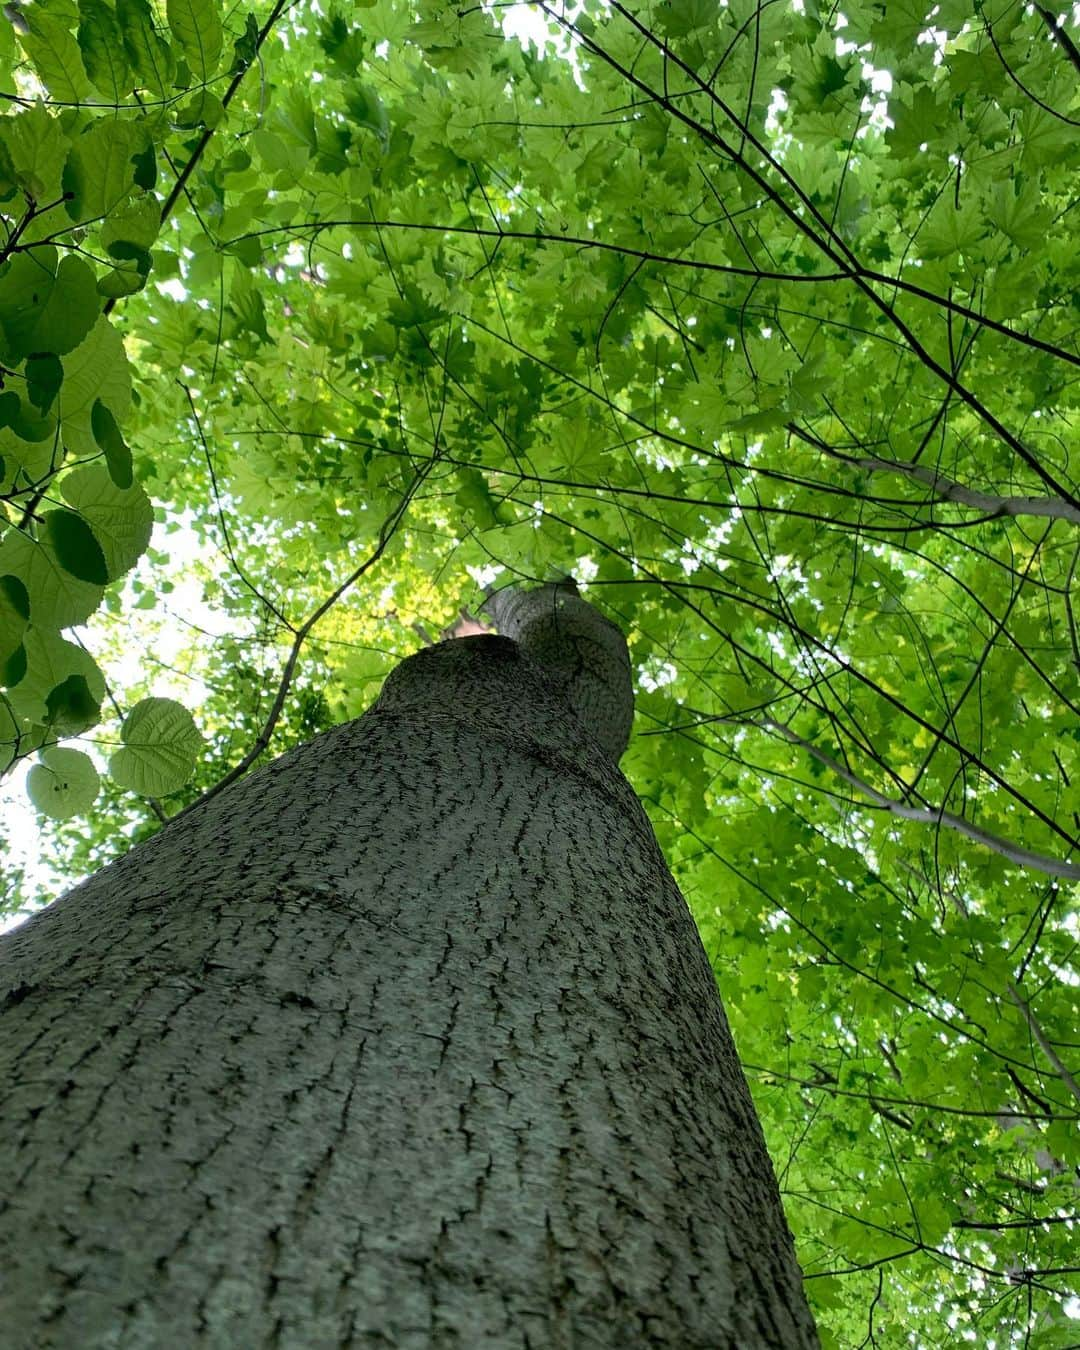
(406, 1040)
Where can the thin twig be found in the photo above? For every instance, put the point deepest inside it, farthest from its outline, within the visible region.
(386, 531)
(929, 815)
(1044, 1042)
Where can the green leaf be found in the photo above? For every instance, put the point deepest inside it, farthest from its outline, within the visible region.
(55, 54)
(766, 419)
(248, 249)
(196, 25)
(37, 147)
(1019, 212)
(75, 547)
(71, 707)
(949, 231)
(100, 172)
(11, 741)
(145, 162)
(23, 418)
(121, 518)
(45, 305)
(202, 109)
(14, 614)
(130, 273)
(916, 117)
(44, 376)
(58, 599)
(161, 747)
(679, 17)
(126, 236)
(96, 370)
(101, 45)
(474, 496)
(149, 55)
(246, 45)
(137, 222)
(9, 178)
(49, 662)
(63, 784)
(13, 667)
(107, 435)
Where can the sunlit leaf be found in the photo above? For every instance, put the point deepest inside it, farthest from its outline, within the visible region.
(121, 518)
(161, 747)
(196, 25)
(63, 784)
(47, 303)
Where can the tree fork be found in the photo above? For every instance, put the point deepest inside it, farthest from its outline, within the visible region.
(406, 1039)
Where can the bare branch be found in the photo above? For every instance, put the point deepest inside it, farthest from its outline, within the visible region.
(929, 815)
(1044, 1042)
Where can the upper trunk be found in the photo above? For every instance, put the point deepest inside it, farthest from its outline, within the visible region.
(407, 1039)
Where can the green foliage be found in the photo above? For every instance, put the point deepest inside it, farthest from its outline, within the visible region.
(117, 520)
(73, 545)
(63, 783)
(46, 304)
(759, 319)
(108, 436)
(161, 746)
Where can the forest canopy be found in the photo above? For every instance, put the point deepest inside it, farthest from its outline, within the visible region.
(759, 320)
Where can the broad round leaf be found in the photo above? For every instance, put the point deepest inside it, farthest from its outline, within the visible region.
(13, 667)
(48, 661)
(196, 25)
(44, 376)
(14, 614)
(72, 707)
(101, 45)
(57, 598)
(99, 173)
(46, 306)
(75, 547)
(161, 746)
(96, 369)
(63, 784)
(121, 518)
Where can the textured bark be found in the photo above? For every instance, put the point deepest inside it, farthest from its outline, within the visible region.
(405, 1040)
(583, 654)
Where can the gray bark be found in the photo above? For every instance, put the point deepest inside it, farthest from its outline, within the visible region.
(406, 1040)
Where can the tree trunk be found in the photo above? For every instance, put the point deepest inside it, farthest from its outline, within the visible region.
(406, 1040)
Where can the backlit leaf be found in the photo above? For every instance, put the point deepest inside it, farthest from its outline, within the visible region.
(14, 614)
(121, 518)
(47, 304)
(74, 546)
(161, 747)
(63, 784)
(148, 53)
(107, 435)
(196, 25)
(101, 45)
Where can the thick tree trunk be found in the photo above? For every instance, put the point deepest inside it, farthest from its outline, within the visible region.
(406, 1040)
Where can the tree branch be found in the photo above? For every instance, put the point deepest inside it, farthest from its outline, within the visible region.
(1016, 853)
(947, 489)
(1044, 1042)
(583, 652)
